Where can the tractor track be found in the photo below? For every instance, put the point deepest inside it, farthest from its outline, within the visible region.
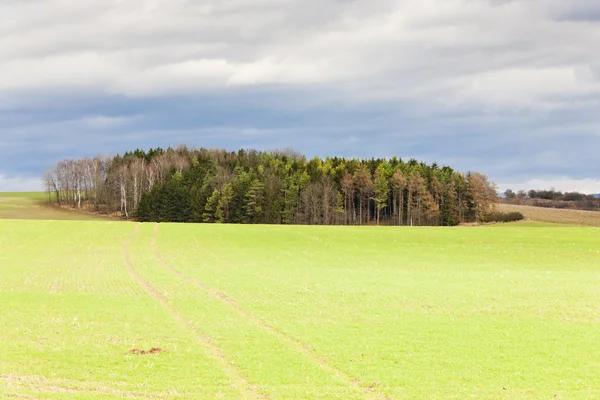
(297, 344)
(234, 374)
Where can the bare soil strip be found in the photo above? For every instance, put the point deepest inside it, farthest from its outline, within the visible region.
(300, 346)
(235, 375)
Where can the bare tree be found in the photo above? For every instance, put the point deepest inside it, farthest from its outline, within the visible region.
(50, 184)
(137, 168)
(163, 165)
(97, 175)
(398, 186)
(347, 184)
(364, 185)
(381, 190)
(223, 177)
(328, 199)
(151, 176)
(416, 190)
(122, 181)
(482, 194)
(436, 189)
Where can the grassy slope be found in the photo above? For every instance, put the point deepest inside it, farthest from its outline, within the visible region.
(32, 205)
(554, 215)
(505, 311)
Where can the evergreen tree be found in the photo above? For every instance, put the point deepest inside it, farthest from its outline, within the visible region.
(254, 204)
(211, 210)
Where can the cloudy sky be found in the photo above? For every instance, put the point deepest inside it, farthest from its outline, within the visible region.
(509, 88)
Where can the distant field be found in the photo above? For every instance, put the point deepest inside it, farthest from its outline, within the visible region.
(554, 215)
(33, 205)
(294, 312)
(26, 195)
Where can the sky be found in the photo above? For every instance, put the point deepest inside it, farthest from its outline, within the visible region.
(508, 88)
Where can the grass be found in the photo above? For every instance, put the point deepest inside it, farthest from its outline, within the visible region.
(294, 312)
(555, 215)
(33, 205)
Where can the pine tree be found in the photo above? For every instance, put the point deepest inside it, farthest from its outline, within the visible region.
(254, 207)
(212, 207)
(222, 212)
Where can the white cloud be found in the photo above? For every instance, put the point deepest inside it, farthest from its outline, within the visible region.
(102, 121)
(19, 184)
(456, 52)
(564, 184)
(524, 87)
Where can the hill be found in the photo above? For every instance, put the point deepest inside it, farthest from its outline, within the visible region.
(554, 215)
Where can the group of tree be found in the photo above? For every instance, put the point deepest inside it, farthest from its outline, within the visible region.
(277, 187)
(553, 199)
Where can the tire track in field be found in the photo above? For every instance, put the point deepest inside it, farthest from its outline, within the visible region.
(297, 344)
(233, 373)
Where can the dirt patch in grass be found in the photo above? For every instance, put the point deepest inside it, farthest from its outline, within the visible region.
(154, 350)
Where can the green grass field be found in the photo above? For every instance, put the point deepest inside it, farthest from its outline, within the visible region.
(34, 205)
(294, 312)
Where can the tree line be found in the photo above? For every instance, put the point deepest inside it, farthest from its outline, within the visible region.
(277, 187)
(553, 199)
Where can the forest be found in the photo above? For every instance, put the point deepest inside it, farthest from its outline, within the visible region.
(269, 187)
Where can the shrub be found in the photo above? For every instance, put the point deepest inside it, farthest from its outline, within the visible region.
(498, 216)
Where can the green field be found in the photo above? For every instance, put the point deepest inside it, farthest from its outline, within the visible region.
(296, 312)
(34, 205)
